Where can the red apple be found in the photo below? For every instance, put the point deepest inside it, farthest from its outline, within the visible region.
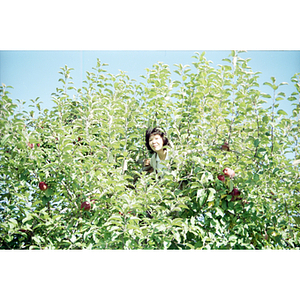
(235, 193)
(229, 172)
(85, 205)
(38, 144)
(221, 177)
(43, 186)
(225, 147)
(30, 145)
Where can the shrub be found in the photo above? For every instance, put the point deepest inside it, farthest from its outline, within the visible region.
(90, 147)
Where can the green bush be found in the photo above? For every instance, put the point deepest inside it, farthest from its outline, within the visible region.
(90, 147)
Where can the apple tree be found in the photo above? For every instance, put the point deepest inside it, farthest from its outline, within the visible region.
(72, 177)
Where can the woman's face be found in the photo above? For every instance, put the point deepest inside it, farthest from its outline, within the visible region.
(156, 142)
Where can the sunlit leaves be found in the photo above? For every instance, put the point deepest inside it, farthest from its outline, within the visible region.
(90, 147)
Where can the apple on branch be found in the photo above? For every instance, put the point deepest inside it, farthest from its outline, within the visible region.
(43, 186)
(235, 193)
(222, 178)
(229, 172)
(225, 147)
(85, 205)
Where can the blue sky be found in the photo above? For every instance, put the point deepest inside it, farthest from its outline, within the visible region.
(35, 74)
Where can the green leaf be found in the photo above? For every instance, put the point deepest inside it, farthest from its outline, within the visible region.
(45, 199)
(219, 212)
(4, 139)
(183, 206)
(265, 95)
(256, 142)
(255, 177)
(177, 222)
(232, 238)
(230, 186)
(281, 94)
(211, 194)
(27, 218)
(265, 119)
(281, 112)
(68, 147)
(110, 158)
(73, 238)
(49, 192)
(279, 98)
(283, 83)
(269, 84)
(14, 222)
(201, 195)
(33, 140)
(297, 219)
(176, 236)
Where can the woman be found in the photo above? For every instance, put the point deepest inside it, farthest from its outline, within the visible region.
(156, 142)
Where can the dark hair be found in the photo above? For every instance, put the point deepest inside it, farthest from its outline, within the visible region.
(156, 130)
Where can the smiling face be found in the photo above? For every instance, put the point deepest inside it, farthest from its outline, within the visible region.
(156, 142)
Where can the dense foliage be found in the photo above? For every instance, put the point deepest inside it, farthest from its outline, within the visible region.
(72, 177)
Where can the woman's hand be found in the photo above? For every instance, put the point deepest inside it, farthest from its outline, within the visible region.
(146, 162)
(147, 167)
